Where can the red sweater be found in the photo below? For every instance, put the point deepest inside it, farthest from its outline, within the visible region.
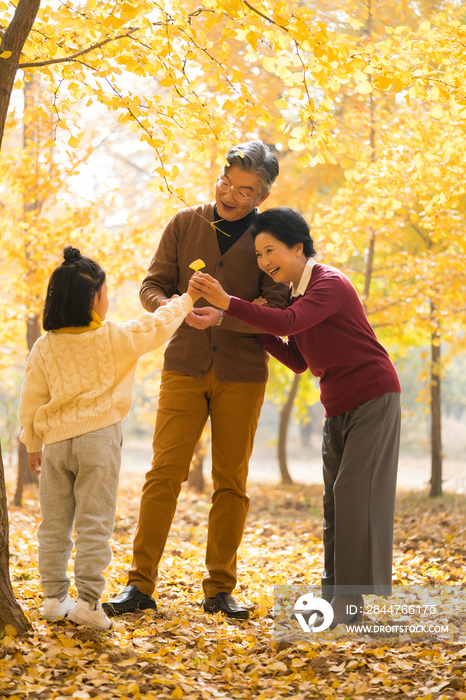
(328, 332)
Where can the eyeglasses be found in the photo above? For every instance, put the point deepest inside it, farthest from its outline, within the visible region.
(237, 194)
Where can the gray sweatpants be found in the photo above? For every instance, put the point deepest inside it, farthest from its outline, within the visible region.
(360, 455)
(78, 483)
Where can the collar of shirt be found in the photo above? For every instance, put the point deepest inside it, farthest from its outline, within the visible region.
(95, 323)
(304, 281)
(233, 228)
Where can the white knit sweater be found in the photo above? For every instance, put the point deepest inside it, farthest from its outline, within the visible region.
(77, 383)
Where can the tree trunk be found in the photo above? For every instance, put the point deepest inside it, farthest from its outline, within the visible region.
(22, 475)
(31, 204)
(372, 234)
(196, 475)
(369, 266)
(14, 39)
(285, 415)
(10, 612)
(25, 475)
(435, 414)
(305, 430)
(30, 135)
(315, 416)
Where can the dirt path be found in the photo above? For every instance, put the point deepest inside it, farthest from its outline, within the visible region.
(414, 472)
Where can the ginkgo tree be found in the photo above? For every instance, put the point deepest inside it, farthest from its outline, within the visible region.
(184, 48)
(412, 200)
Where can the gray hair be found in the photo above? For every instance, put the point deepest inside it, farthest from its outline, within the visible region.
(254, 157)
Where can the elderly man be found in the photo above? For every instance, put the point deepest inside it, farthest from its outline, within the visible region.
(213, 366)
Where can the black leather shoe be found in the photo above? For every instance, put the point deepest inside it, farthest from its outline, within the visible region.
(129, 600)
(341, 605)
(225, 603)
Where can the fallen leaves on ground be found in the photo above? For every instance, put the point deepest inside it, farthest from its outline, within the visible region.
(180, 652)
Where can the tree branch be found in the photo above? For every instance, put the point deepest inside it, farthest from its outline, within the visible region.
(76, 55)
(261, 14)
(13, 40)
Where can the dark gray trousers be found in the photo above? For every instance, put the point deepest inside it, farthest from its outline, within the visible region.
(360, 461)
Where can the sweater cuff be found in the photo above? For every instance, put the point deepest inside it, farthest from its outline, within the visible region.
(231, 307)
(186, 303)
(34, 446)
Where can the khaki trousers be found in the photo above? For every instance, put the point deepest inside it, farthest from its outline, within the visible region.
(183, 408)
(78, 483)
(360, 455)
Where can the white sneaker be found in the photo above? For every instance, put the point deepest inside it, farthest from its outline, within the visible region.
(85, 613)
(53, 608)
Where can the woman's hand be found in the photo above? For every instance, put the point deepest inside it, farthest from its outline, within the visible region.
(210, 289)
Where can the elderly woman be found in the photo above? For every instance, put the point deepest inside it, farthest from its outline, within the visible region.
(328, 332)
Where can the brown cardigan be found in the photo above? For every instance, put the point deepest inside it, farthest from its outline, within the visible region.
(237, 355)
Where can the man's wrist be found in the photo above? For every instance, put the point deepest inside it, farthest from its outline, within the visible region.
(221, 314)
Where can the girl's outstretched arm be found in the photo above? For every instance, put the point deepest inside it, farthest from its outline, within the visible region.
(151, 330)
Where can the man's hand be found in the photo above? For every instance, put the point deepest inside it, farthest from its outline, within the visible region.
(35, 461)
(260, 301)
(202, 318)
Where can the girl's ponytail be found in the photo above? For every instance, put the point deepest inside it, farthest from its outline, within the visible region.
(71, 254)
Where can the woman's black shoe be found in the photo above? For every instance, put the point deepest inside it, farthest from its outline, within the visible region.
(347, 609)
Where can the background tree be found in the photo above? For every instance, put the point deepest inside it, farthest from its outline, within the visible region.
(412, 196)
(289, 391)
(10, 612)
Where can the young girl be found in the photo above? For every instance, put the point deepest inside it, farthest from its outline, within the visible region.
(328, 332)
(78, 388)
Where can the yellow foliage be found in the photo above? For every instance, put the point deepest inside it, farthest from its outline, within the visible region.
(343, 94)
(192, 53)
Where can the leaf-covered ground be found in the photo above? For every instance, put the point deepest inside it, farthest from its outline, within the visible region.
(182, 653)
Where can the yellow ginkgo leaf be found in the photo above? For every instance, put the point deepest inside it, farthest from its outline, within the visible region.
(197, 265)
(364, 88)
(437, 112)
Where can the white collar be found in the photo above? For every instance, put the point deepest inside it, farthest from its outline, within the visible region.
(304, 281)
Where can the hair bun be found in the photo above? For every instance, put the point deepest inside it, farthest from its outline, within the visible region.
(71, 254)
